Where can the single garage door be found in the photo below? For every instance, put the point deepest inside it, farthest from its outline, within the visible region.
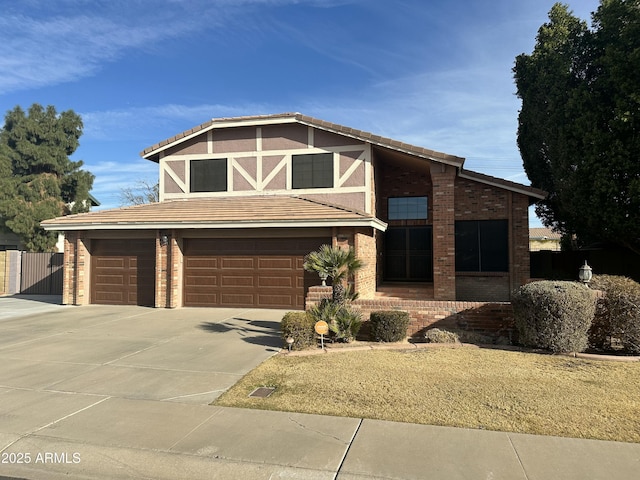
(123, 272)
(263, 273)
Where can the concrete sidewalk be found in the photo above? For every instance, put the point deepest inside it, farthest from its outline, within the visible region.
(105, 437)
(123, 393)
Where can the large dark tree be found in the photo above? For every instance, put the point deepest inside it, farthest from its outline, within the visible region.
(39, 181)
(579, 126)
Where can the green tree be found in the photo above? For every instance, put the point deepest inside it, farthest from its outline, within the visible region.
(579, 130)
(336, 263)
(41, 181)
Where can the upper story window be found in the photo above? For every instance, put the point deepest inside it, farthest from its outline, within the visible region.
(482, 246)
(208, 175)
(312, 170)
(407, 208)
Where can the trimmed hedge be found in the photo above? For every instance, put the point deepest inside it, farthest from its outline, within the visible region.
(300, 327)
(554, 316)
(617, 317)
(389, 325)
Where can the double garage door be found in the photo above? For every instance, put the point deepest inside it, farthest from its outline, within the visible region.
(263, 273)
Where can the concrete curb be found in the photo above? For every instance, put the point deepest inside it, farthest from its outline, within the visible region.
(416, 346)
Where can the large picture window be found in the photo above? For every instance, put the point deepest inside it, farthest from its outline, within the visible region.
(407, 208)
(208, 175)
(482, 246)
(312, 170)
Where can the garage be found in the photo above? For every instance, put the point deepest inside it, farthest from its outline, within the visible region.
(123, 272)
(239, 272)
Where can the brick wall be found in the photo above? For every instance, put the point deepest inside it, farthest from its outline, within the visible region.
(489, 318)
(175, 279)
(443, 200)
(494, 319)
(4, 274)
(365, 249)
(75, 275)
(485, 288)
(477, 201)
(161, 298)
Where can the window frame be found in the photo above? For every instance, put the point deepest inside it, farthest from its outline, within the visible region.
(198, 182)
(320, 170)
(405, 208)
(482, 246)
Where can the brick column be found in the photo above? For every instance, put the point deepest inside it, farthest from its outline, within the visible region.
(443, 207)
(365, 250)
(83, 277)
(519, 267)
(69, 269)
(161, 270)
(75, 274)
(174, 269)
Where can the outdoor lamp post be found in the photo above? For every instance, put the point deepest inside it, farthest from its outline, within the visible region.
(585, 274)
(289, 342)
(323, 277)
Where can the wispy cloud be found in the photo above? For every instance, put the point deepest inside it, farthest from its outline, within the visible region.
(48, 43)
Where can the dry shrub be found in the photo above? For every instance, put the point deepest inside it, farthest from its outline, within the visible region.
(617, 317)
(435, 335)
(555, 316)
(299, 326)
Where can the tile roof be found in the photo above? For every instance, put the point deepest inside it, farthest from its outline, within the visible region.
(543, 234)
(151, 153)
(218, 212)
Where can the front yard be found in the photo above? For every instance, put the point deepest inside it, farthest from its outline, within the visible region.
(462, 387)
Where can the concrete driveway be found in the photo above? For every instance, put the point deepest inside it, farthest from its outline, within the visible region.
(184, 355)
(122, 393)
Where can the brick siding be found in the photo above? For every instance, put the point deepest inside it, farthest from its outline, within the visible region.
(489, 318)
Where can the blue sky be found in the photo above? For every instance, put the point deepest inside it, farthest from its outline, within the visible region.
(434, 73)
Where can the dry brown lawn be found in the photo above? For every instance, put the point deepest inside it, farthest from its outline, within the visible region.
(463, 387)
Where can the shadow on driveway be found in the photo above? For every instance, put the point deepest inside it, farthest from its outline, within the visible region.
(256, 332)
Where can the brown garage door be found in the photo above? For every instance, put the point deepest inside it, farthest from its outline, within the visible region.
(123, 272)
(264, 273)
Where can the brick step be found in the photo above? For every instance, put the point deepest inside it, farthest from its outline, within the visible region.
(407, 292)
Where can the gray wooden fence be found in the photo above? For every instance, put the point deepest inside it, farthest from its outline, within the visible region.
(41, 273)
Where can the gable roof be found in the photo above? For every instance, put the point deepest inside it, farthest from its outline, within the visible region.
(219, 212)
(153, 152)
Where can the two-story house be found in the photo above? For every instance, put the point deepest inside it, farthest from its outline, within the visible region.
(243, 200)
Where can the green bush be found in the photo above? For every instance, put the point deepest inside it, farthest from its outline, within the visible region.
(617, 318)
(553, 315)
(344, 321)
(435, 335)
(299, 326)
(346, 324)
(389, 325)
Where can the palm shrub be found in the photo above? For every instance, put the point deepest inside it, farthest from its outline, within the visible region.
(344, 321)
(299, 326)
(617, 315)
(336, 263)
(554, 316)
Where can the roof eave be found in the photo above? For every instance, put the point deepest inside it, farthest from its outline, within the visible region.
(530, 192)
(364, 222)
